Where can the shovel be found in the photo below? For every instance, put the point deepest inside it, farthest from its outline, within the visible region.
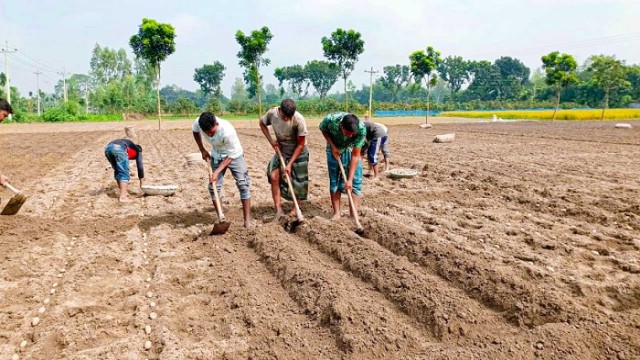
(292, 225)
(15, 203)
(222, 225)
(352, 206)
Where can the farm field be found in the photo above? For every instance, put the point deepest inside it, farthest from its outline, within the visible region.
(519, 240)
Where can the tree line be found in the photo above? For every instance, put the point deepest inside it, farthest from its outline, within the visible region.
(116, 84)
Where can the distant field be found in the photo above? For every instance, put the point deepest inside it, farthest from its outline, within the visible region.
(610, 114)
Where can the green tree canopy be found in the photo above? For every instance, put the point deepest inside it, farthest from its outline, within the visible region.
(322, 75)
(252, 49)
(209, 78)
(154, 42)
(560, 70)
(296, 76)
(394, 78)
(454, 70)
(423, 66)
(608, 74)
(109, 64)
(343, 48)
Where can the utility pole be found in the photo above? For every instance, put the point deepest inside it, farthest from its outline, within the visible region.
(6, 51)
(371, 72)
(38, 73)
(64, 83)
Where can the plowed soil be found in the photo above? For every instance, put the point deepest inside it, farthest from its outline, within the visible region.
(518, 240)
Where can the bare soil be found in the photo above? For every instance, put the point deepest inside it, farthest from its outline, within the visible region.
(519, 240)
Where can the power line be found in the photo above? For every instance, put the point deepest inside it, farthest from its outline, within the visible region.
(50, 68)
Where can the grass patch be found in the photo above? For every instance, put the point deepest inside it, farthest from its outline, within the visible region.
(592, 114)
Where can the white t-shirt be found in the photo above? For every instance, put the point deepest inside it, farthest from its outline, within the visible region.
(225, 142)
(287, 132)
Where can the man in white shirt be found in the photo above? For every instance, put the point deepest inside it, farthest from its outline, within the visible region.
(226, 152)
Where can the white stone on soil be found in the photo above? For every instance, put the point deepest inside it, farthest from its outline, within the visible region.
(148, 279)
(42, 310)
(149, 294)
(53, 291)
(55, 285)
(153, 316)
(147, 345)
(15, 357)
(147, 329)
(23, 344)
(35, 321)
(46, 301)
(152, 304)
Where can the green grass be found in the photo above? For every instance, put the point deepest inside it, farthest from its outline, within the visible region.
(591, 114)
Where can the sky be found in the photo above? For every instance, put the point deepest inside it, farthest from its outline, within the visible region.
(54, 34)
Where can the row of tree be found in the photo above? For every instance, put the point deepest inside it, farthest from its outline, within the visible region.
(116, 84)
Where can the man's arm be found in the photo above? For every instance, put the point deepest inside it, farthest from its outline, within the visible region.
(223, 165)
(267, 134)
(334, 150)
(296, 154)
(205, 154)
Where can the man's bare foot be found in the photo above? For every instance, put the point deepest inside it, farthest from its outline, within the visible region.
(336, 216)
(249, 224)
(278, 215)
(124, 200)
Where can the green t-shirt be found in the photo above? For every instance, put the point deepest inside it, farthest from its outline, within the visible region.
(331, 126)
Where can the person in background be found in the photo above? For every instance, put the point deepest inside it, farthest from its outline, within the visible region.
(119, 152)
(377, 140)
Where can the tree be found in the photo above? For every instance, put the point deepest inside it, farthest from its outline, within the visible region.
(485, 82)
(394, 78)
(513, 76)
(633, 77)
(109, 64)
(343, 48)
(454, 70)
(209, 78)
(252, 49)
(296, 76)
(322, 75)
(423, 66)
(184, 106)
(561, 72)
(154, 42)
(608, 75)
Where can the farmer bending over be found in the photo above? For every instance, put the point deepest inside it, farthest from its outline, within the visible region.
(291, 131)
(119, 152)
(226, 152)
(345, 135)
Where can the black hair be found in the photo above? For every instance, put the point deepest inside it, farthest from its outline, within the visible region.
(4, 105)
(288, 107)
(207, 121)
(350, 122)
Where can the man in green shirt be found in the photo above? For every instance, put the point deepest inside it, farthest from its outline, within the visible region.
(345, 135)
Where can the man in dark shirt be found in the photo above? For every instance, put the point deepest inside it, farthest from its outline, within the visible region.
(376, 140)
(119, 152)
